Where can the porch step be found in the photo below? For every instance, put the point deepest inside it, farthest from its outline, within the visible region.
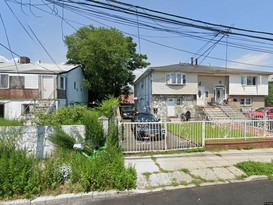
(215, 113)
(232, 113)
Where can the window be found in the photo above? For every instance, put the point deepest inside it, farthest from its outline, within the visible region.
(207, 94)
(62, 83)
(178, 101)
(16, 82)
(175, 79)
(75, 86)
(245, 101)
(27, 108)
(3, 81)
(249, 80)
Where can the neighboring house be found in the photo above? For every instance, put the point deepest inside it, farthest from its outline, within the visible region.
(168, 91)
(270, 79)
(27, 87)
(127, 99)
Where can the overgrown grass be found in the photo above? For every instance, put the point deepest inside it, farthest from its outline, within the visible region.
(6, 122)
(256, 168)
(67, 170)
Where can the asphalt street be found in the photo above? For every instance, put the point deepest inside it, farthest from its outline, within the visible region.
(258, 192)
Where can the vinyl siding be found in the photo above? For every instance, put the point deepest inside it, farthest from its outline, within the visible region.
(159, 86)
(76, 92)
(236, 88)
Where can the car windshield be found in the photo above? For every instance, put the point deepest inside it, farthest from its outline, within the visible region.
(261, 109)
(145, 118)
(127, 108)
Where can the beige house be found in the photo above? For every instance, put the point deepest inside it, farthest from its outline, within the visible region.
(168, 91)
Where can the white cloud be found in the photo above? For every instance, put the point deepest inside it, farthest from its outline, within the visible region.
(254, 60)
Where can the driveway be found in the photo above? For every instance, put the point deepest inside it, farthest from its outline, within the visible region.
(171, 142)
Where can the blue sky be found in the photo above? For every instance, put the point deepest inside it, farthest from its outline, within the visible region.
(50, 29)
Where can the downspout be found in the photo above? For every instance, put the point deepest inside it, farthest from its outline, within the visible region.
(56, 93)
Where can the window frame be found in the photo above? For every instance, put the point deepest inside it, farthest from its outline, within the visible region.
(7, 81)
(245, 102)
(16, 82)
(176, 79)
(62, 82)
(249, 80)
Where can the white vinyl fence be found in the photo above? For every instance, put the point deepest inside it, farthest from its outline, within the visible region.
(168, 136)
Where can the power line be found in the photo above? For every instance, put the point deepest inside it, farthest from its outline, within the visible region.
(86, 9)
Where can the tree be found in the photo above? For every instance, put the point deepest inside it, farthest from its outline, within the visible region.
(108, 59)
(269, 98)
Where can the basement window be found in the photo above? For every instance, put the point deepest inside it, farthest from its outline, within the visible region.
(27, 109)
(245, 101)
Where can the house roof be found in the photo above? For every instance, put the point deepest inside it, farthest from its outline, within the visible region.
(35, 68)
(201, 69)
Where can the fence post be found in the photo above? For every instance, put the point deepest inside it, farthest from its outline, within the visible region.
(265, 122)
(203, 133)
(245, 131)
(105, 124)
(166, 135)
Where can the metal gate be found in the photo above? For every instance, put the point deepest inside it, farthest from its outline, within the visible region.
(160, 136)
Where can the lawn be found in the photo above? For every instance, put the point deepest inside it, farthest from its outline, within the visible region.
(193, 131)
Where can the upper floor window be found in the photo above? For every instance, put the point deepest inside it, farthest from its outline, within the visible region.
(3, 81)
(75, 86)
(249, 80)
(17, 82)
(62, 83)
(175, 79)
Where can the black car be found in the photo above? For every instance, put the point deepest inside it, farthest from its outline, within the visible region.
(127, 111)
(147, 127)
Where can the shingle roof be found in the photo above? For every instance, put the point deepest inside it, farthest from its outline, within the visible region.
(207, 69)
(201, 69)
(35, 68)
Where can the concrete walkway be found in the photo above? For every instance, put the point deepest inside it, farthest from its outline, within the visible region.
(191, 169)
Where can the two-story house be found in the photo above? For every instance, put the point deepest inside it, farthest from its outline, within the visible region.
(168, 91)
(27, 87)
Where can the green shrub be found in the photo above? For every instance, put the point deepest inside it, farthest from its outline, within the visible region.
(17, 171)
(71, 115)
(61, 139)
(106, 106)
(94, 131)
(112, 139)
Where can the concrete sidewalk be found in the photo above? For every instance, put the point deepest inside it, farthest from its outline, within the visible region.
(191, 169)
(170, 171)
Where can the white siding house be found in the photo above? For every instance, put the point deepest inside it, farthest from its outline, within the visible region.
(168, 91)
(27, 87)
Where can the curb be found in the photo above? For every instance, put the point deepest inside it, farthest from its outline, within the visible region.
(82, 197)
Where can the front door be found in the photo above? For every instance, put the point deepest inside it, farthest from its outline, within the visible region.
(47, 87)
(219, 93)
(201, 96)
(170, 107)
